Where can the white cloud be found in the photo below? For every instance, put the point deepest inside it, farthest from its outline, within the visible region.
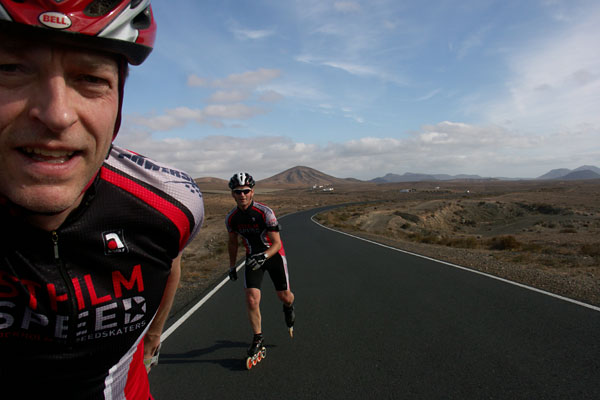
(194, 80)
(347, 6)
(343, 34)
(248, 79)
(244, 34)
(474, 40)
(447, 147)
(555, 81)
(356, 69)
(228, 96)
(213, 114)
(231, 111)
(297, 90)
(429, 95)
(270, 96)
(160, 122)
(227, 104)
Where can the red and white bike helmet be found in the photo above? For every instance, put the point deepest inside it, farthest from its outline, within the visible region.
(124, 27)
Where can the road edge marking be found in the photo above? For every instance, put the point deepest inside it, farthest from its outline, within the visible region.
(579, 303)
(196, 306)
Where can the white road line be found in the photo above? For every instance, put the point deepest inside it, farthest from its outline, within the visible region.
(465, 269)
(192, 310)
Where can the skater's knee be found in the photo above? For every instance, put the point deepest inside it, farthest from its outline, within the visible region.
(253, 298)
(253, 303)
(286, 296)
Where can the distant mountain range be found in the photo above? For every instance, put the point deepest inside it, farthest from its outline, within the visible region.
(412, 177)
(583, 172)
(306, 177)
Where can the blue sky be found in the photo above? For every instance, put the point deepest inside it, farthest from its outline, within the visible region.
(364, 88)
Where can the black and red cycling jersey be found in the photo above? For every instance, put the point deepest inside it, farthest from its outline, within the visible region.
(76, 302)
(253, 224)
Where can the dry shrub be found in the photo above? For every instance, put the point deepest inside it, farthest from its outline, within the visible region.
(532, 247)
(507, 242)
(592, 250)
(409, 217)
(468, 242)
(568, 230)
(543, 208)
(464, 242)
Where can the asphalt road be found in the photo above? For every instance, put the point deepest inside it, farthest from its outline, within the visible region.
(377, 323)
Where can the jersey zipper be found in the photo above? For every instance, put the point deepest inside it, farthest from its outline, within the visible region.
(69, 285)
(55, 243)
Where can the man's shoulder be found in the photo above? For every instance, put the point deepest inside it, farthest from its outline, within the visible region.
(131, 161)
(231, 213)
(262, 207)
(169, 190)
(129, 169)
(145, 169)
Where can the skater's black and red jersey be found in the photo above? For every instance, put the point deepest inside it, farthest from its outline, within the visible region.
(75, 303)
(253, 224)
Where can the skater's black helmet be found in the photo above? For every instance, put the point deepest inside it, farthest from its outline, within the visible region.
(241, 179)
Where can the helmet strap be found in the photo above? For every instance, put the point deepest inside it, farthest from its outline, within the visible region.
(123, 71)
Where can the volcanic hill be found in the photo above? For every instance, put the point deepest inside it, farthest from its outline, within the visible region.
(303, 177)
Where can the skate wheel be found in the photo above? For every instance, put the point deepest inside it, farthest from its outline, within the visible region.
(258, 357)
(254, 360)
(249, 363)
(291, 330)
(263, 352)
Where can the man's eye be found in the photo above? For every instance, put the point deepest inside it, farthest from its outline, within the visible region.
(9, 67)
(94, 80)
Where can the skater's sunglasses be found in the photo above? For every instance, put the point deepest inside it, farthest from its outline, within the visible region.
(240, 191)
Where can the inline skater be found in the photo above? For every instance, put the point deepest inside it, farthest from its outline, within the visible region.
(92, 236)
(257, 225)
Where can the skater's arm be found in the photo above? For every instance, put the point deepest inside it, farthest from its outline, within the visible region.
(275, 240)
(232, 248)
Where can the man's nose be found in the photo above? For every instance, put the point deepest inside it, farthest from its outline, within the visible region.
(53, 106)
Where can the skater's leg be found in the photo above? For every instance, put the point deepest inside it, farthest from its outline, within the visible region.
(286, 297)
(253, 308)
(279, 275)
(256, 345)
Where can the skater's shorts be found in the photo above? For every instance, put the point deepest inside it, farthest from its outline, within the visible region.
(276, 266)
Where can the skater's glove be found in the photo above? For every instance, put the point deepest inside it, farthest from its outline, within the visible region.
(256, 261)
(232, 274)
(153, 360)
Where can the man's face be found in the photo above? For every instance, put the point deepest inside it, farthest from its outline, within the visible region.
(58, 108)
(243, 196)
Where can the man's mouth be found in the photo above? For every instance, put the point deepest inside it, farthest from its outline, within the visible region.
(49, 156)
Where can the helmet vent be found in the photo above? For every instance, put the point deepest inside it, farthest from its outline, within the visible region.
(143, 20)
(98, 8)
